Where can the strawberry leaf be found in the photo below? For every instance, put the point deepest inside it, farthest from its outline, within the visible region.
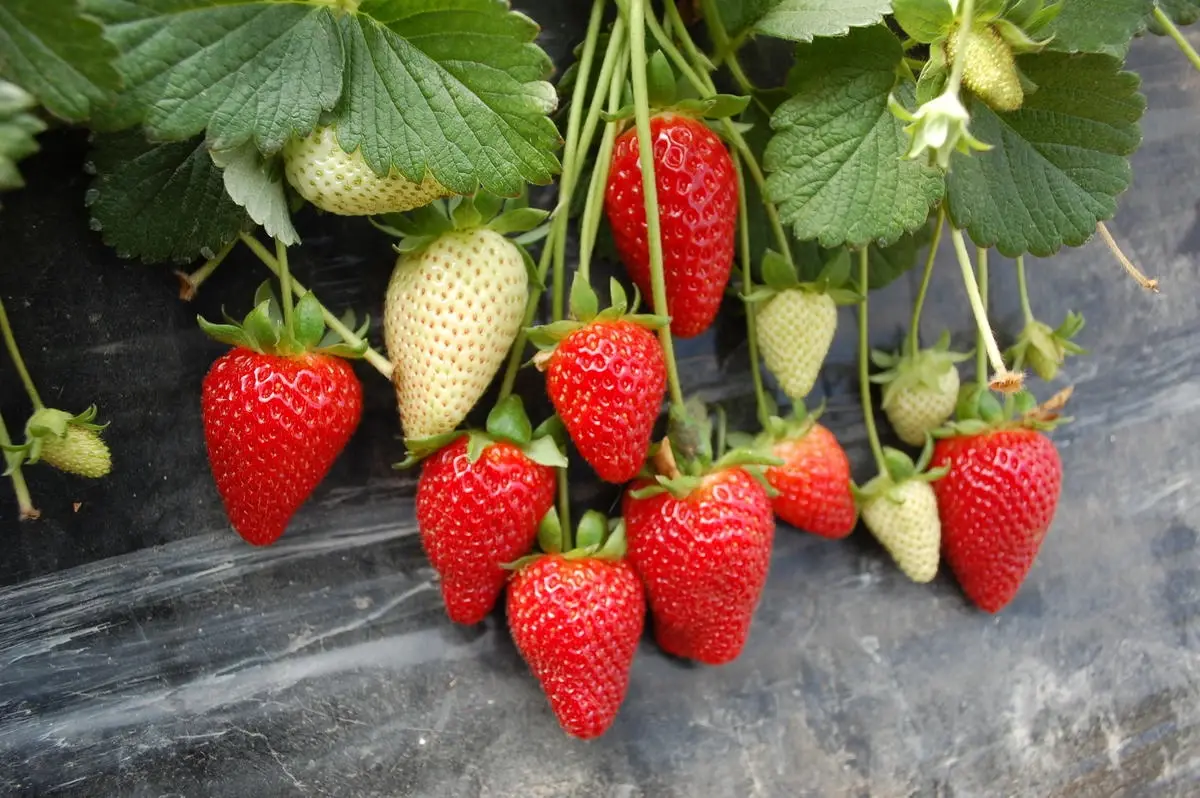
(58, 54)
(1097, 26)
(160, 201)
(1057, 165)
(925, 21)
(17, 130)
(256, 184)
(800, 20)
(835, 164)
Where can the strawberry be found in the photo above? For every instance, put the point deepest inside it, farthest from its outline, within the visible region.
(454, 306)
(920, 389)
(343, 183)
(606, 376)
(698, 205)
(997, 502)
(899, 509)
(989, 69)
(703, 555)
(796, 321)
(276, 415)
(814, 482)
(480, 498)
(576, 619)
(70, 443)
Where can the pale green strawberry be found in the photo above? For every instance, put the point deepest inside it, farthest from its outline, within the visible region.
(904, 519)
(453, 310)
(795, 331)
(79, 451)
(342, 183)
(919, 393)
(989, 69)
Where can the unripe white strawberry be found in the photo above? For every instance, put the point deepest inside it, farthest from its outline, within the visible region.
(904, 519)
(795, 331)
(342, 183)
(919, 391)
(453, 310)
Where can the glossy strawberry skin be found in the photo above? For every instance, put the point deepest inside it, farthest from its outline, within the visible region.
(577, 624)
(607, 381)
(476, 517)
(704, 562)
(996, 504)
(814, 484)
(273, 426)
(697, 201)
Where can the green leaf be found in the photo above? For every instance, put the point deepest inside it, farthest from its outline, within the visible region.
(835, 164)
(17, 131)
(456, 89)
(924, 20)
(800, 20)
(1097, 26)
(259, 71)
(58, 54)
(160, 201)
(256, 183)
(1057, 165)
(886, 264)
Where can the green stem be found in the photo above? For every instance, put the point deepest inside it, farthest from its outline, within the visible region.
(1177, 35)
(20, 487)
(715, 26)
(564, 508)
(641, 112)
(189, 284)
(535, 294)
(378, 361)
(285, 289)
(966, 19)
(760, 395)
(18, 361)
(864, 365)
(985, 346)
(1026, 309)
(593, 208)
(699, 80)
(981, 273)
(914, 330)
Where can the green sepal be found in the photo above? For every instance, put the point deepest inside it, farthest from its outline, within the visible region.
(590, 531)
(518, 220)
(230, 334)
(547, 336)
(648, 320)
(1046, 349)
(546, 451)
(47, 424)
(554, 429)
(508, 421)
(759, 476)
(690, 431)
(778, 272)
(488, 205)
(420, 227)
(618, 300)
(417, 449)
(660, 79)
(477, 443)
(1024, 402)
(531, 270)
(550, 532)
(719, 106)
(464, 213)
(584, 303)
(899, 465)
(903, 372)
(679, 487)
(647, 491)
(741, 457)
(307, 322)
(521, 562)
(615, 546)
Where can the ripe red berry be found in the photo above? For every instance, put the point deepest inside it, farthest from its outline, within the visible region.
(698, 205)
(813, 484)
(476, 517)
(273, 426)
(996, 504)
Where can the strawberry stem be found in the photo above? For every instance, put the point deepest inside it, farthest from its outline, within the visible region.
(285, 290)
(641, 112)
(966, 20)
(725, 48)
(864, 363)
(985, 347)
(20, 487)
(19, 362)
(1133, 271)
(189, 284)
(760, 397)
(378, 361)
(1184, 45)
(535, 295)
(589, 225)
(1023, 290)
(914, 330)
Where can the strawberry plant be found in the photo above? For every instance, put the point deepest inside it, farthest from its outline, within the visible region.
(1000, 126)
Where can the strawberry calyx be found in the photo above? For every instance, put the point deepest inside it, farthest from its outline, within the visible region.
(49, 428)
(779, 275)
(679, 463)
(263, 329)
(585, 308)
(1046, 349)
(979, 412)
(904, 371)
(898, 469)
(668, 93)
(597, 537)
(506, 423)
(418, 228)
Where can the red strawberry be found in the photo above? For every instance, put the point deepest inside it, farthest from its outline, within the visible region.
(577, 622)
(607, 380)
(477, 516)
(996, 504)
(698, 205)
(813, 483)
(704, 561)
(273, 425)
